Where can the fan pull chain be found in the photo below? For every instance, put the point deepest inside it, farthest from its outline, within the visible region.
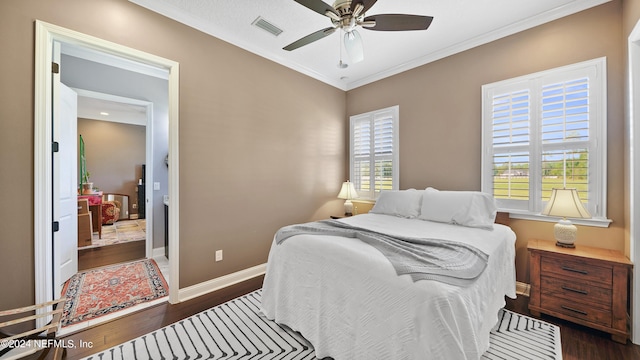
(341, 65)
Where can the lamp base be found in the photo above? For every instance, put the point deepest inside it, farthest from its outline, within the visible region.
(348, 208)
(565, 233)
(571, 246)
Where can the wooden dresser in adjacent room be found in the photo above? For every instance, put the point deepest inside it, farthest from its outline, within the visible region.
(585, 285)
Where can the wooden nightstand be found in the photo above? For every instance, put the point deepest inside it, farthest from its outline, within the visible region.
(585, 285)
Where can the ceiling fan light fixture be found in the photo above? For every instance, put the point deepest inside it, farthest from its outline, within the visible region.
(353, 45)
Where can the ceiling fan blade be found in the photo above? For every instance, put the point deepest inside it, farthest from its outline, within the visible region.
(310, 38)
(319, 6)
(353, 44)
(366, 3)
(398, 22)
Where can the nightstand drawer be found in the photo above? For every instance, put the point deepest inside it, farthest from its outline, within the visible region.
(576, 310)
(587, 272)
(576, 291)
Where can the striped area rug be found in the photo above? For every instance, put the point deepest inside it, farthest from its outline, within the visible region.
(237, 330)
(516, 336)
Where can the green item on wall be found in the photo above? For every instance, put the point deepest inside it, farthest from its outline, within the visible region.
(84, 174)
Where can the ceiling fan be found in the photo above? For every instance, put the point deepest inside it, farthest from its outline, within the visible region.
(348, 15)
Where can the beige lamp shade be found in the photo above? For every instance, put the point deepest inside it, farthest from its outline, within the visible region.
(348, 192)
(565, 203)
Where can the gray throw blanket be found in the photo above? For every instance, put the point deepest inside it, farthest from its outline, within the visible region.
(442, 260)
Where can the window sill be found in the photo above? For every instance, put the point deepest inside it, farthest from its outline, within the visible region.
(595, 222)
(369, 201)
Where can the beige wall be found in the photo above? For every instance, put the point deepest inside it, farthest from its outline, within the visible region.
(259, 148)
(440, 111)
(115, 153)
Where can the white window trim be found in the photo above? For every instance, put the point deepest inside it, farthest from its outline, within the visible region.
(395, 114)
(598, 130)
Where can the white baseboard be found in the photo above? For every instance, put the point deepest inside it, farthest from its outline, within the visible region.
(523, 289)
(221, 282)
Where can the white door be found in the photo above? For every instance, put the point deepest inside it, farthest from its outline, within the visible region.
(65, 195)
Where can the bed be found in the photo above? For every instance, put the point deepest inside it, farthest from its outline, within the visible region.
(346, 298)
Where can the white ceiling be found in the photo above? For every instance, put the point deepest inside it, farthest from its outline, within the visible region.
(458, 25)
(99, 108)
(107, 107)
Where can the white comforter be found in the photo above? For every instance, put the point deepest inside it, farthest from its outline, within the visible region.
(346, 299)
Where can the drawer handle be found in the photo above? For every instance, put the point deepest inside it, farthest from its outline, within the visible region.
(574, 310)
(583, 292)
(583, 272)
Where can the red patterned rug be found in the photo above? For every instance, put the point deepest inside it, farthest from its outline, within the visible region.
(103, 291)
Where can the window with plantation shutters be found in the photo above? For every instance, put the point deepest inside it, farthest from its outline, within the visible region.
(374, 152)
(543, 131)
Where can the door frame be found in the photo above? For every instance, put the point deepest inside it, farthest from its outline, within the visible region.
(633, 119)
(46, 34)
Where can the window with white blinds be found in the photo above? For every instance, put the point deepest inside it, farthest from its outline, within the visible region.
(374, 152)
(543, 131)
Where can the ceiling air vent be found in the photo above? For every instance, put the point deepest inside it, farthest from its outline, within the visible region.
(266, 26)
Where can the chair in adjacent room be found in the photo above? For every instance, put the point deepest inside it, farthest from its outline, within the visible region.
(110, 212)
(19, 336)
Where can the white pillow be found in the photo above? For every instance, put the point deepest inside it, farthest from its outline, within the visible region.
(467, 208)
(403, 203)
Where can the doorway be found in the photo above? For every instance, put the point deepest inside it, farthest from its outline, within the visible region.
(44, 218)
(116, 131)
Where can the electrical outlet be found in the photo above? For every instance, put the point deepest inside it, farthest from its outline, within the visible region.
(218, 255)
(134, 205)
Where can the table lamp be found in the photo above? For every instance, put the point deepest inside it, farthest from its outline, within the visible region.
(565, 203)
(348, 192)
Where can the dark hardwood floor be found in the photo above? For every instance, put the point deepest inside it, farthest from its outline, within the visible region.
(112, 254)
(578, 342)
